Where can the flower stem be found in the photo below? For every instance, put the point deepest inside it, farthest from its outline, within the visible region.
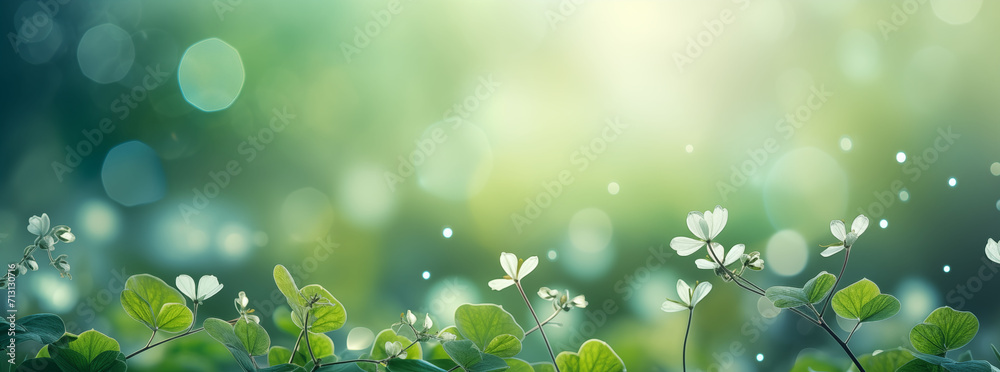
(686, 333)
(540, 330)
(296, 347)
(842, 345)
(544, 322)
(856, 326)
(826, 302)
(194, 316)
(150, 338)
(305, 329)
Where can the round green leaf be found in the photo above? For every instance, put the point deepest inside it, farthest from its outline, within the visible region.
(503, 346)
(885, 361)
(222, 331)
(817, 288)
(387, 335)
(320, 344)
(174, 317)
(253, 337)
(517, 365)
(144, 298)
(42, 328)
(786, 297)
(280, 355)
(594, 356)
(482, 323)
(91, 343)
(327, 314)
(944, 329)
(864, 302)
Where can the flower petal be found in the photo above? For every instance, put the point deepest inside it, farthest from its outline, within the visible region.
(718, 221)
(527, 267)
(685, 246)
(580, 301)
(993, 251)
(508, 261)
(831, 251)
(735, 253)
(697, 225)
(208, 286)
(700, 291)
(705, 264)
(684, 291)
(185, 283)
(672, 306)
(838, 229)
(860, 224)
(498, 284)
(547, 293)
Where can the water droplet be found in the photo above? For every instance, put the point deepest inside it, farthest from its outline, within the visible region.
(995, 168)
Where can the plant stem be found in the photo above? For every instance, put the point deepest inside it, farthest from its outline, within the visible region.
(194, 316)
(826, 302)
(296, 347)
(842, 345)
(540, 330)
(148, 346)
(305, 329)
(686, 333)
(150, 338)
(856, 326)
(544, 322)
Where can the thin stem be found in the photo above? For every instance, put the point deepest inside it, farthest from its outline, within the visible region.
(540, 330)
(826, 302)
(191, 332)
(453, 368)
(544, 322)
(150, 338)
(296, 347)
(843, 345)
(305, 326)
(194, 316)
(686, 333)
(856, 326)
(373, 361)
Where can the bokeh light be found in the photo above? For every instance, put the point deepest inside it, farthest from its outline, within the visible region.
(105, 53)
(132, 174)
(787, 253)
(211, 75)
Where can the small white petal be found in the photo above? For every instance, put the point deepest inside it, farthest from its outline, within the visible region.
(185, 283)
(243, 300)
(718, 221)
(831, 251)
(838, 229)
(410, 318)
(498, 284)
(254, 318)
(508, 261)
(683, 291)
(697, 225)
(580, 301)
(208, 286)
(547, 293)
(860, 224)
(993, 251)
(734, 254)
(527, 267)
(428, 323)
(700, 291)
(705, 264)
(686, 246)
(672, 306)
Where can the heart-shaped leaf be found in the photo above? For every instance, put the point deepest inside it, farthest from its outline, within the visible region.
(92, 343)
(253, 337)
(944, 329)
(517, 365)
(926, 362)
(326, 313)
(145, 298)
(504, 346)
(482, 323)
(814, 291)
(222, 331)
(864, 302)
(543, 367)
(280, 355)
(594, 356)
(885, 361)
(388, 335)
(108, 361)
(469, 357)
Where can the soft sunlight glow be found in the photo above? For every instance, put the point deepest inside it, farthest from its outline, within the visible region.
(947, 268)
(995, 168)
(359, 338)
(613, 188)
(845, 143)
(552, 253)
(952, 182)
(786, 253)
(426, 275)
(689, 149)
(446, 233)
(904, 195)
(760, 357)
(883, 223)
(900, 157)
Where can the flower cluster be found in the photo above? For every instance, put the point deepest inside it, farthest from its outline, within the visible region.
(46, 238)
(706, 226)
(562, 301)
(688, 297)
(241, 306)
(207, 287)
(847, 238)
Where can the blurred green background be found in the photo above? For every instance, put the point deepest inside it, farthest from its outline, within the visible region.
(390, 150)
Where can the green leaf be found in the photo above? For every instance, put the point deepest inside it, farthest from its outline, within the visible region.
(482, 323)
(253, 337)
(144, 298)
(786, 297)
(285, 367)
(282, 318)
(42, 328)
(279, 355)
(222, 331)
(517, 365)
(543, 367)
(864, 302)
(966, 356)
(39, 365)
(463, 352)
(817, 288)
(92, 343)
(503, 346)
(175, 317)
(283, 279)
(948, 364)
(387, 335)
(69, 360)
(885, 361)
(412, 365)
(944, 329)
(320, 344)
(108, 361)
(327, 314)
(594, 356)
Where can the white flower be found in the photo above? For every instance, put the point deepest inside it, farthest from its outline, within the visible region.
(208, 286)
(515, 269)
(993, 250)
(241, 306)
(578, 301)
(394, 349)
(409, 318)
(428, 323)
(547, 293)
(39, 225)
(447, 336)
(706, 226)
(688, 297)
(847, 238)
(62, 232)
(753, 261)
(735, 254)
